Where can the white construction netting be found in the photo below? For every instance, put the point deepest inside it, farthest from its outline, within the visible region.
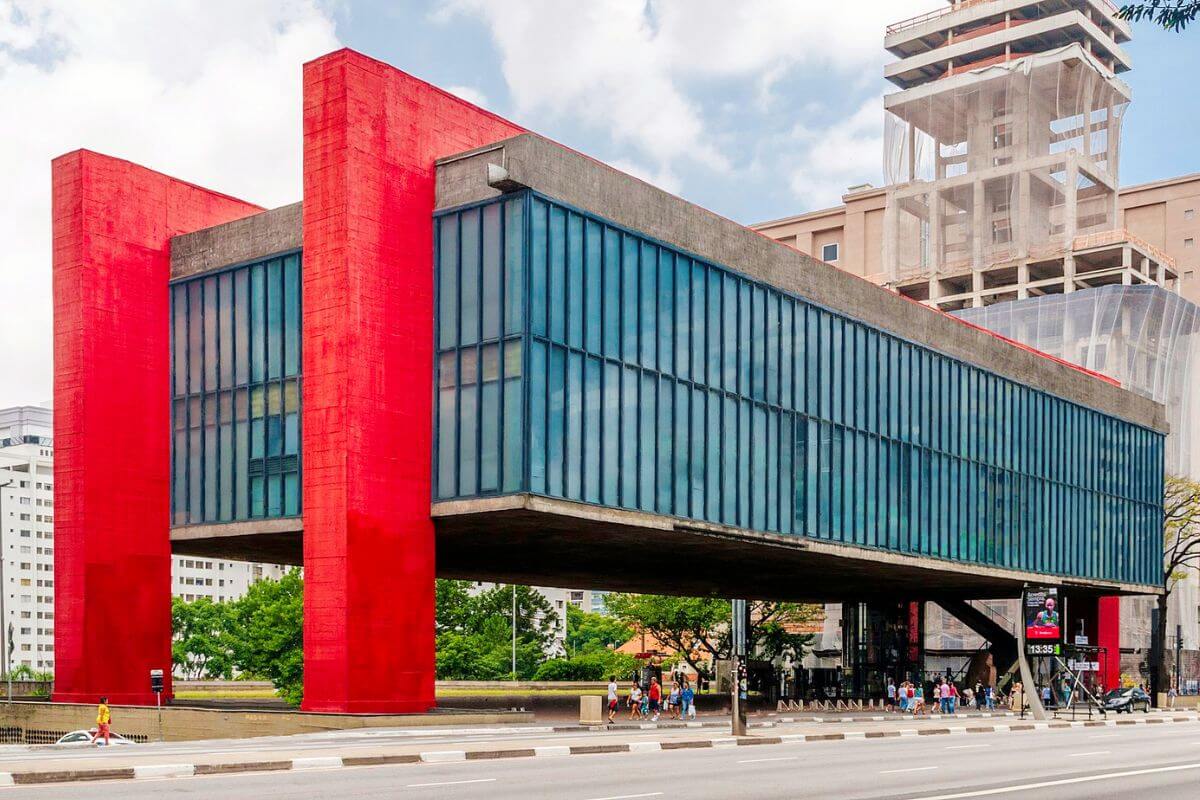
(1005, 129)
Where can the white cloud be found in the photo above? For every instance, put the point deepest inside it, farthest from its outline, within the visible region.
(206, 90)
(822, 163)
(636, 70)
(470, 94)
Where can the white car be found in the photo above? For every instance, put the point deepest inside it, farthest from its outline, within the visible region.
(85, 738)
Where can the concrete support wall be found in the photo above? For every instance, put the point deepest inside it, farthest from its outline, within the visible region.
(112, 223)
(371, 136)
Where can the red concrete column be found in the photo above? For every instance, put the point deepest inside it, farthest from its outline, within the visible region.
(1108, 635)
(112, 223)
(371, 135)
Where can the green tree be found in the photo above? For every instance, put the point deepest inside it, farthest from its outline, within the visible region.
(200, 647)
(689, 624)
(1174, 15)
(591, 633)
(474, 631)
(266, 633)
(597, 665)
(1181, 554)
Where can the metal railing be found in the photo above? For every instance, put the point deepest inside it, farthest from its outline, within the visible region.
(912, 22)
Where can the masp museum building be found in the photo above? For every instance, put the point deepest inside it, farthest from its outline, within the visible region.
(472, 352)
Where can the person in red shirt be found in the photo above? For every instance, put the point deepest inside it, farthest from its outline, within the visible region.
(655, 698)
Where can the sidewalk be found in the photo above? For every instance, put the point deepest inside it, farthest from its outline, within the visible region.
(45, 764)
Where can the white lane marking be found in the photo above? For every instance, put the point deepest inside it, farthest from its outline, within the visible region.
(761, 760)
(1104, 736)
(1090, 753)
(448, 783)
(909, 769)
(628, 796)
(317, 762)
(147, 771)
(966, 746)
(1024, 787)
(642, 747)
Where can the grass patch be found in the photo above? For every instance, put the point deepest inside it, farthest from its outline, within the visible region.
(255, 694)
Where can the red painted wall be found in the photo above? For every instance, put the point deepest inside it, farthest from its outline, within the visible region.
(112, 221)
(371, 135)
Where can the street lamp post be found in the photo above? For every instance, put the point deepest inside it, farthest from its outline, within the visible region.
(7, 629)
(514, 632)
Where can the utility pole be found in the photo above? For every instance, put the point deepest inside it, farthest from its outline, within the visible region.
(514, 632)
(738, 668)
(3, 591)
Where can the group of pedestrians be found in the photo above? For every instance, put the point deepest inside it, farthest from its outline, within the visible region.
(648, 703)
(944, 697)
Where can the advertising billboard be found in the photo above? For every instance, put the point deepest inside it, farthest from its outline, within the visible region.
(1043, 615)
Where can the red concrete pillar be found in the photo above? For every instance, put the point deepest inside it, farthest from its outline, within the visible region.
(112, 223)
(371, 136)
(1108, 636)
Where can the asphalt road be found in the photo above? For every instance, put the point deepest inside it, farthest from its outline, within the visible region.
(1160, 762)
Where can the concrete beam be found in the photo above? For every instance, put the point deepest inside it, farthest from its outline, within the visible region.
(248, 239)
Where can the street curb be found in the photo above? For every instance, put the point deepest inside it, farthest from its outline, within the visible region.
(447, 756)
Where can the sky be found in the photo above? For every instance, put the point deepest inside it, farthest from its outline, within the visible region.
(757, 109)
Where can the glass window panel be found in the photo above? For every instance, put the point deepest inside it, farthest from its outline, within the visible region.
(665, 444)
(514, 440)
(630, 301)
(195, 299)
(489, 419)
(448, 281)
(291, 494)
(699, 311)
(574, 441)
(679, 443)
(757, 339)
(647, 440)
(538, 382)
(491, 271)
(223, 354)
(539, 299)
(241, 326)
(629, 436)
(468, 422)
(666, 311)
(258, 330)
(179, 339)
(649, 317)
(683, 317)
(556, 430)
(612, 293)
(274, 319)
(211, 320)
(274, 495)
(291, 315)
(610, 435)
(575, 287)
(558, 274)
(593, 296)
(514, 265)
(591, 430)
(468, 277)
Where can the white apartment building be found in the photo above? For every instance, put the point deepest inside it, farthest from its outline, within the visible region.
(27, 534)
(27, 541)
(559, 599)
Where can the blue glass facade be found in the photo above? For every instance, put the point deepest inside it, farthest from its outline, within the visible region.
(583, 361)
(235, 366)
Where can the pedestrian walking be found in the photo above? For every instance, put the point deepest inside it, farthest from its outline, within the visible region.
(612, 699)
(991, 698)
(673, 701)
(103, 722)
(654, 699)
(953, 691)
(688, 697)
(635, 702)
(890, 703)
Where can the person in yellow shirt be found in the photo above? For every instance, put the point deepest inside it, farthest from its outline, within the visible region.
(103, 721)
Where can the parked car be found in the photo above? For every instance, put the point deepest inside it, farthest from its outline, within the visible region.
(1127, 700)
(85, 738)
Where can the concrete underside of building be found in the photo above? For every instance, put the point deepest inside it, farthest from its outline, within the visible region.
(143, 264)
